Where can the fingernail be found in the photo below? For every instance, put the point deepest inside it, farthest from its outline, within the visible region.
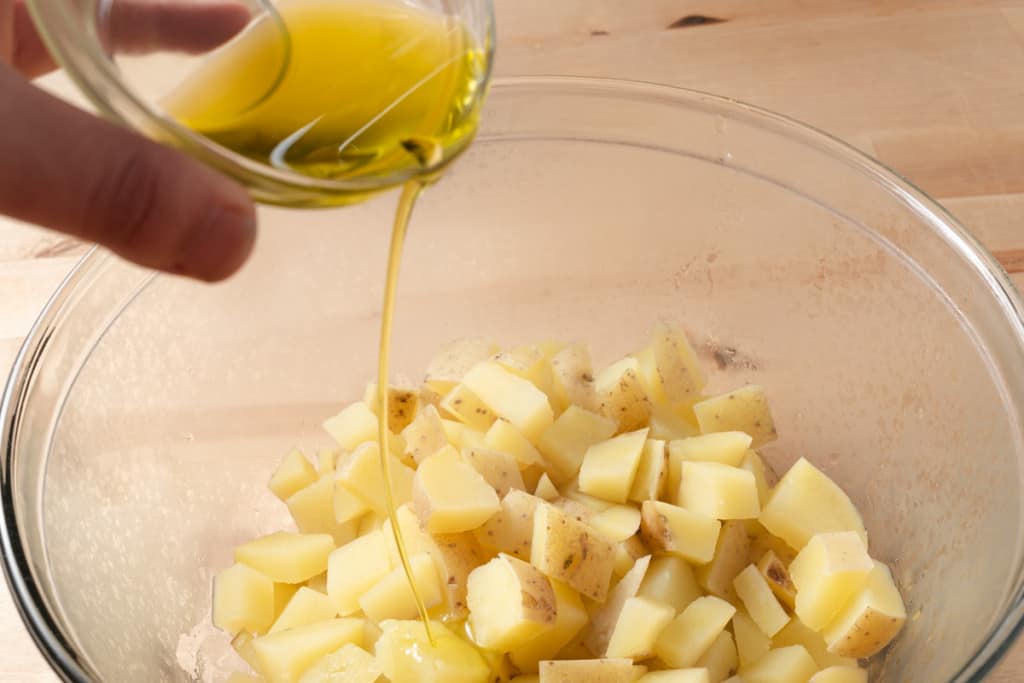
(220, 245)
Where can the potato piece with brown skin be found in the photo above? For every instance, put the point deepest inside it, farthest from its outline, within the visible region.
(466, 407)
(454, 359)
(672, 529)
(618, 670)
(425, 435)
(777, 576)
(510, 603)
(510, 530)
(621, 396)
(403, 405)
(569, 550)
(871, 620)
(744, 410)
(498, 469)
(572, 376)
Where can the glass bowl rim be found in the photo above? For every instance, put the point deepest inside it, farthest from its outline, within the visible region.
(61, 654)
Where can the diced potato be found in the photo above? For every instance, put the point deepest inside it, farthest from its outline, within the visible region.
(284, 656)
(671, 424)
(570, 618)
(621, 396)
(778, 578)
(510, 603)
(325, 459)
(759, 601)
(626, 555)
(763, 542)
(829, 571)
(402, 405)
(405, 655)
(354, 425)
(464, 405)
(510, 530)
(682, 378)
(572, 377)
(668, 528)
(806, 502)
(753, 463)
(670, 580)
(732, 552)
(350, 663)
(650, 379)
(742, 410)
(751, 642)
(590, 670)
(797, 633)
(783, 665)
(840, 674)
(727, 448)
(502, 436)
(640, 622)
(676, 676)
(455, 358)
(243, 600)
(617, 523)
(294, 473)
(546, 488)
(287, 557)
(593, 503)
(312, 508)
(353, 568)
(870, 620)
(391, 597)
(360, 473)
(347, 505)
(532, 363)
(575, 508)
(605, 616)
(571, 551)
(720, 660)
(306, 607)
(565, 442)
(449, 496)
(498, 469)
(425, 435)
(690, 634)
(652, 473)
(510, 397)
(283, 593)
(609, 467)
(462, 436)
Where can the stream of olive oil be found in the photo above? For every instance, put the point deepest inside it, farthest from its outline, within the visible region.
(374, 91)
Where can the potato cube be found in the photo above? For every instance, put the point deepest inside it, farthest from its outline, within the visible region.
(391, 597)
(450, 364)
(405, 655)
(742, 410)
(566, 441)
(806, 502)
(468, 408)
(797, 633)
(676, 676)
(617, 523)
(732, 552)
(350, 663)
(652, 473)
(690, 634)
(868, 622)
(751, 642)
(840, 674)
(449, 496)
(502, 436)
(293, 474)
(621, 396)
(830, 570)
(572, 376)
(671, 529)
(592, 503)
(510, 397)
(640, 622)
(571, 551)
(678, 368)
(353, 568)
(360, 473)
(402, 405)
(778, 578)
(498, 469)
(618, 670)
(570, 618)
(312, 508)
(354, 425)
(306, 606)
(546, 489)
(532, 363)
(462, 436)
(243, 600)
(753, 463)
(759, 601)
(672, 424)
(510, 530)
(425, 435)
(284, 656)
(287, 557)
(727, 448)
(347, 505)
(604, 617)
(783, 665)
(510, 603)
(609, 467)
(720, 660)
(670, 580)
(626, 555)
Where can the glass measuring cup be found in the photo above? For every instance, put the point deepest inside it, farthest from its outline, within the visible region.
(134, 87)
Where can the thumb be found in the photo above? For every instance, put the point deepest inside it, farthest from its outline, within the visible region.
(66, 170)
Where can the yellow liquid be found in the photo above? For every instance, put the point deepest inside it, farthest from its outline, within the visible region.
(375, 92)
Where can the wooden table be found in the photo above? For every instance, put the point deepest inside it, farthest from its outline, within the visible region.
(933, 88)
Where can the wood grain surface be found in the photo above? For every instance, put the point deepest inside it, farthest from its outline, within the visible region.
(933, 88)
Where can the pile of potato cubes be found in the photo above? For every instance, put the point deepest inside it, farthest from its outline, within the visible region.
(561, 527)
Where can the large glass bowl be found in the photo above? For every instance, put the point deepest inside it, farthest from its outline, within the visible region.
(145, 414)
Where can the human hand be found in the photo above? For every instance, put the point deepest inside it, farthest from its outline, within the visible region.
(64, 169)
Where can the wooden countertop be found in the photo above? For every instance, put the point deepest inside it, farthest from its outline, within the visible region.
(933, 88)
